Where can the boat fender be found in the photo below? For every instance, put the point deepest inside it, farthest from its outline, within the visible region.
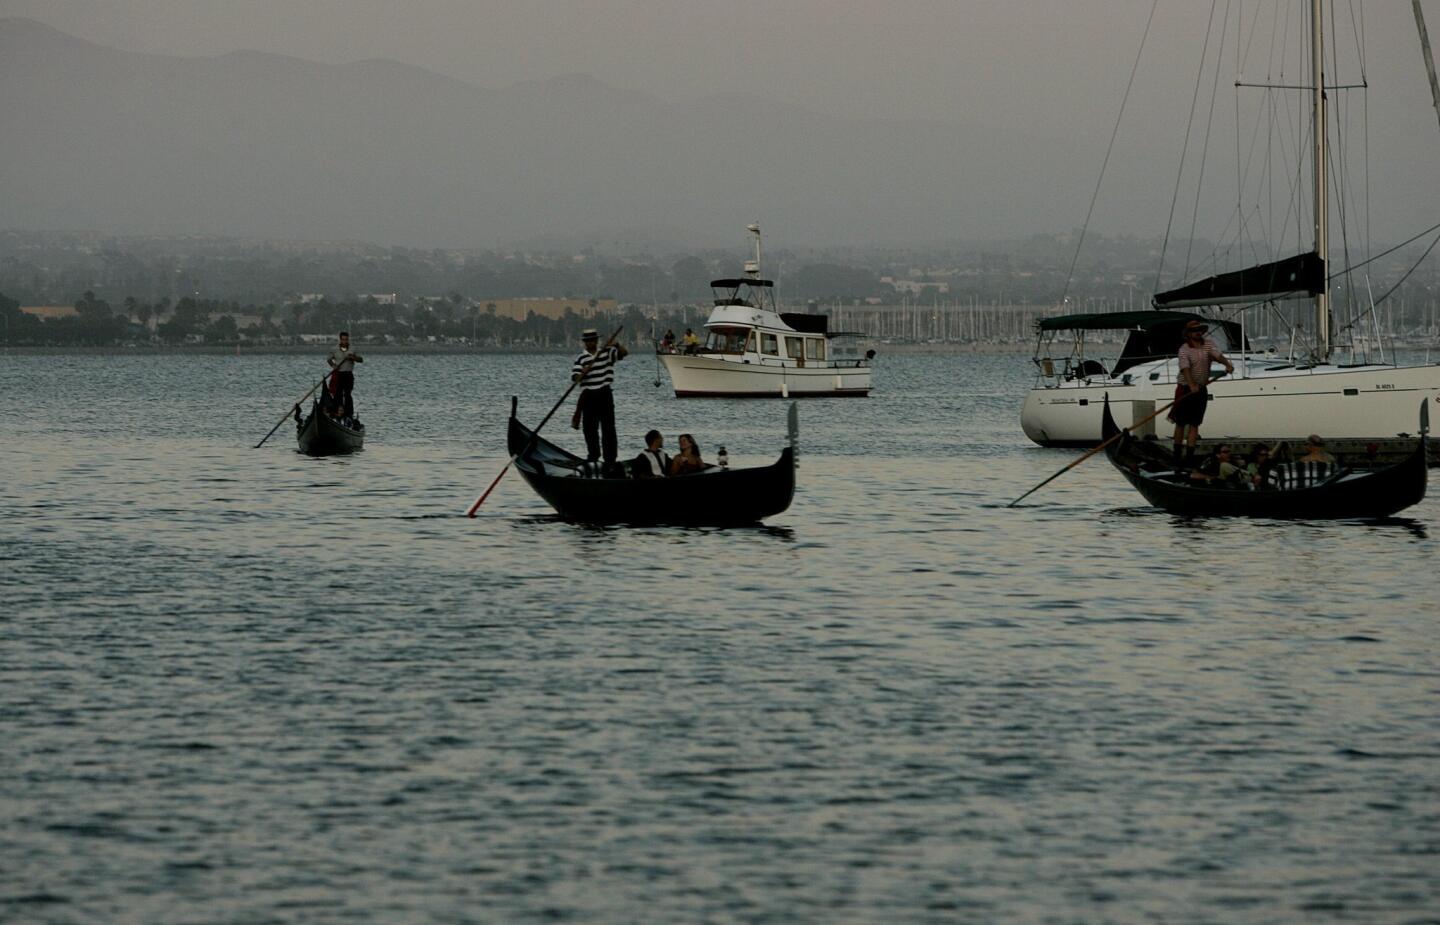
(784, 390)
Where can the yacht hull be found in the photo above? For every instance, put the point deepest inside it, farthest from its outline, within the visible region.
(700, 376)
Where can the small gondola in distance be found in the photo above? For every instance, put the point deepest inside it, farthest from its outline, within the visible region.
(716, 497)
(1346, 493)
(321, 435)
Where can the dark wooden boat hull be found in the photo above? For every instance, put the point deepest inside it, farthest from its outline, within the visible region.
(321, 435)
(1368, 494)
(713, 498)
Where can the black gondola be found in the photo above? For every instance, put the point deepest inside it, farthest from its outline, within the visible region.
(1342, 493)
(321, 435)
(715, 497)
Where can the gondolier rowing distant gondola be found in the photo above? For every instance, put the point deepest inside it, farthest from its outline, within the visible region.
(342, 380)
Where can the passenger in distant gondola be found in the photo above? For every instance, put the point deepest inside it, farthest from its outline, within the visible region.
(1257, 467)
(1219, 468)
(688, 459)
(1192, 393)
(343, 362)
(594, 369)
(652, 463)
(1315, 451)
(690, 342)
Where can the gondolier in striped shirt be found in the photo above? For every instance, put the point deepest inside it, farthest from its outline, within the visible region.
(342, 381)
(594, 369)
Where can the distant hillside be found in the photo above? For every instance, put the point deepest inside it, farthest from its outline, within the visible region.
(266, 145)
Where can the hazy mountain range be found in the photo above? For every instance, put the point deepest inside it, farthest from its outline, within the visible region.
(254, 144)
(260, 144)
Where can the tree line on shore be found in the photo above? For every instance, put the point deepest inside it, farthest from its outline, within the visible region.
(96, 323)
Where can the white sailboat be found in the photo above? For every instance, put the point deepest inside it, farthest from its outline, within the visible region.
(1312, 387)
(754, 350)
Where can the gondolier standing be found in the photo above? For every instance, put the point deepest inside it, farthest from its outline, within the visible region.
(1192, 394)
(594, 369)
(343, 362)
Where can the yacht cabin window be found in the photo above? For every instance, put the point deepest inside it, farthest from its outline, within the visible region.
(814, 348)
(727, 340)
(770, 345)
(794, 349)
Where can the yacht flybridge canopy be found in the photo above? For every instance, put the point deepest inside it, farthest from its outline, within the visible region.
(1298, 277)
(737, 283)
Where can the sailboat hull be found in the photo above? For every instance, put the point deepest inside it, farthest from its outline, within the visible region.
(1367, 403)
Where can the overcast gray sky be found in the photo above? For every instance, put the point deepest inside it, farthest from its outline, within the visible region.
(907, 57)
(1000, 65)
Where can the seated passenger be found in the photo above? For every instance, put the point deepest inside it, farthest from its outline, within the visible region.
(691, 342)
(667, 343)
(688, 459)
(1257, 466)
(1315, 451)
(1218, 468)
(652, 463)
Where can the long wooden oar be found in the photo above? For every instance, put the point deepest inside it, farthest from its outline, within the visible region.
(470, 512)
(1088, 454)
(307, 394)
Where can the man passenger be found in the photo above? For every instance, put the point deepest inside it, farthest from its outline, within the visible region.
(652, 463)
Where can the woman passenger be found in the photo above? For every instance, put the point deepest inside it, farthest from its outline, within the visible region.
(1257, 467)
(688, 459)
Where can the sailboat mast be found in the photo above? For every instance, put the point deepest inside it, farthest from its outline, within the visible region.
(1322, 205)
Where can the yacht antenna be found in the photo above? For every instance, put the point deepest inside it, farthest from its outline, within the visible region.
(753, 269)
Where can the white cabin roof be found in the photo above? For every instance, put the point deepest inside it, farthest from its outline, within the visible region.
(731, 315)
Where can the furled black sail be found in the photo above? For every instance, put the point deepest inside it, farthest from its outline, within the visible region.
(1298, 277)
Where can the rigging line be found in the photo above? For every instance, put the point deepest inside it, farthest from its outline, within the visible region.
(1243, 181)
(1365, 113)
(1240, 166)
(1385, 253)
(1400, 282)
(1429, 58)
(1070, 276)
(1340, 189)
(1357, 26)
(1185, 146)
(1205, 145)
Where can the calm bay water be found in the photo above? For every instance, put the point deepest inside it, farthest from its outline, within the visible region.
(247, 686)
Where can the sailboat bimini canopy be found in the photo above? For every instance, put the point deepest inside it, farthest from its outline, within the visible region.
(1298, 277)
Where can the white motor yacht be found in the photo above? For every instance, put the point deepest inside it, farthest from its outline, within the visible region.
(754, 350)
